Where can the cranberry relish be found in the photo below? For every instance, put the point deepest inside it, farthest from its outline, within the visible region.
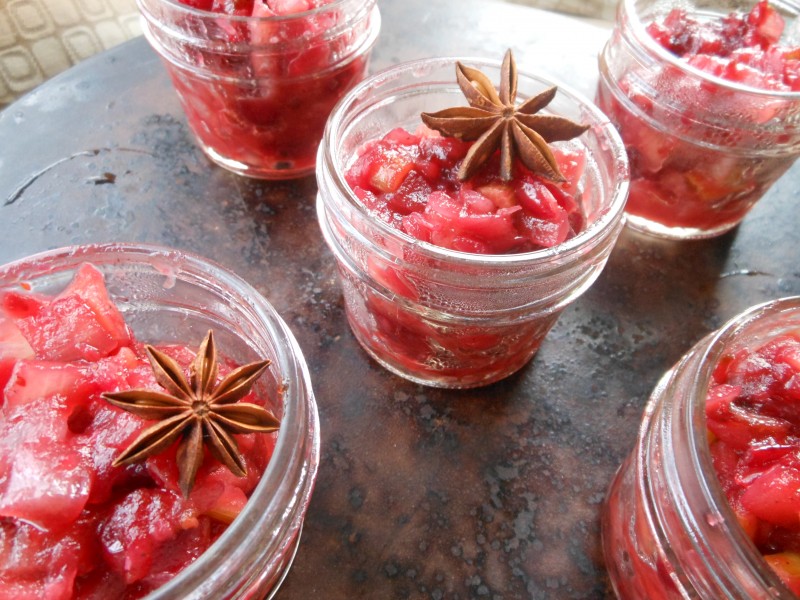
(256, 8)
(741, 47)
(72, 525)
(680, 176)
(409, 180)
(261, 110)
(753, 418)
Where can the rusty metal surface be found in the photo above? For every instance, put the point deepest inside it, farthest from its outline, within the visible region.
(422, 493)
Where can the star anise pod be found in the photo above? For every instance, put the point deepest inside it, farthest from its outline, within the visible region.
(493, 119)
(198, 410)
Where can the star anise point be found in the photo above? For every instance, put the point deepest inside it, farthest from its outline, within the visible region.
(494, 121)
(197, 410)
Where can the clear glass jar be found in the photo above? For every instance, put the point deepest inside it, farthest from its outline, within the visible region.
(668, 530)
(703, 149)
(257, 90)
(173, 297)
(441, 317)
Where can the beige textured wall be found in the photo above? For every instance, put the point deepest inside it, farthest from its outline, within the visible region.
(40, 38)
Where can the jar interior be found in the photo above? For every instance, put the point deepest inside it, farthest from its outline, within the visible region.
(167, 296)
(397, 99)
(715, 535)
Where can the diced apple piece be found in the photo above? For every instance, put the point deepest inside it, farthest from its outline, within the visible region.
(787, 566)
(47, 485)
(13, 344)
(774, 497)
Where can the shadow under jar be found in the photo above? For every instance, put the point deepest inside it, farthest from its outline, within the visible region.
(171, 297)
(449, 318)
(704, 148)
(668, 528)
(257, 90)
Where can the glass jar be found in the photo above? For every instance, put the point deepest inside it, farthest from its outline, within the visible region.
(442, 317)
(668, 530)
(168, 296)
(702, 149)
(257, 90)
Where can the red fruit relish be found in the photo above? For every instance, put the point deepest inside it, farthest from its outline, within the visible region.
(741, 47)
(409, 180)
(703, 152)
(753, 418)
(258, 102)
(71, 524)
(256, 8)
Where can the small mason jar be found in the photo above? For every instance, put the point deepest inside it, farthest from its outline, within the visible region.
(171, 297)
(442, 317)
(668, 530)
(702, 149)
(257, 90)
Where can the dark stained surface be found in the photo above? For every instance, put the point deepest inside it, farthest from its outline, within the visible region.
(422, 493)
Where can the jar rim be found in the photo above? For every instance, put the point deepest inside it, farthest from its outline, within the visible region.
(207, 75)
(305, 14)
(182, 24)
(293, 443)
(330, 169)
(712, 348)
(627, 9)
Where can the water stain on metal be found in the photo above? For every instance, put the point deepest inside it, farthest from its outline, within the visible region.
(104, 178)
(17, 193)
(745, 272)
